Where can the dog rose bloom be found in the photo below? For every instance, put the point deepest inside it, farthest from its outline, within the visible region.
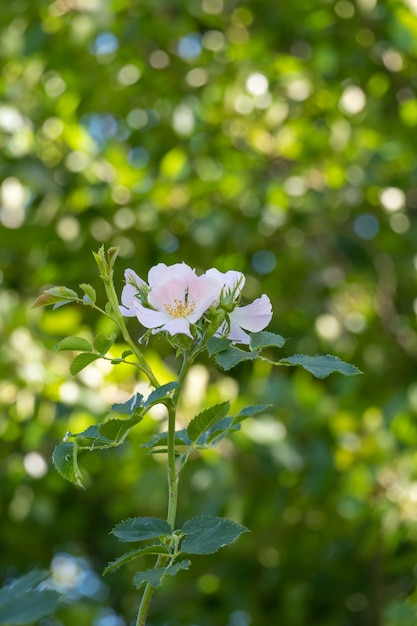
(252, 317)
(174, 297)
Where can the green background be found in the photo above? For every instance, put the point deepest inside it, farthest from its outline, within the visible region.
(274, 138)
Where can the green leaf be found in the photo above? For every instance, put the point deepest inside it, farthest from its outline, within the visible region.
(160, 394)
(74, 343)
(232, 356)
(81, 361)
(90, 293)
(154, 577)
(265, 339)
(130, 406)
(56, 295)
(217, 344)
(21, 604)
(250, 411)
(116, 429)
(206, 419)
(321, 365)
(161, 439)
(103, 344)
(126, 353)
(206, 534)
(141, 528)
(219, 431)
(64, 458)
(130, 556)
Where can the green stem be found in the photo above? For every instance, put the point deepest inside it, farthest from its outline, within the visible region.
(173, 479)
(118, 318)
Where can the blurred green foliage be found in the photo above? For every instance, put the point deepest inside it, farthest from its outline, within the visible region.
(273, 138)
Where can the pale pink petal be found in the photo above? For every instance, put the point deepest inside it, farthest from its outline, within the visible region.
(178, 325)
(237, 334)
(255, 316)
(129, 295)
(131, 278)
(233, 332)
(161, 274)
(150, 318)
(227, 281)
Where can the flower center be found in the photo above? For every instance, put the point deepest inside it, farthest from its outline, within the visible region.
(180, 308)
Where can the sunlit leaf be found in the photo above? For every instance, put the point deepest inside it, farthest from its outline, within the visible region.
(206, 419)
(65, 460)
(90, 293)
(74, 343)
(103, 344)
(81, 361)
(130, 406)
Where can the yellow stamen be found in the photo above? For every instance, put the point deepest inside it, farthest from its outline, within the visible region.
(180, 308)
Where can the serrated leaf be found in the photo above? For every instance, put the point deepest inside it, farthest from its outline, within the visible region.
(154, 577)
(160, 393)
(233, 356)
(74, 343)
(102, 343)
(90, 292)
(217, 344)
(91, 438)
(141, 528)
(65, 460)
(130, 406)
(116, 429)
(219, 431)
(206, 419)
(81, 361)
(21, 604)
(130, 556)
(250, 411)
(206, 534)
(57, 296)
(321, 365)
(161, 439)
(265, 339)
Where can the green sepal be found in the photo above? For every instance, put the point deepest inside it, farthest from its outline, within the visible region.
(154, 577)
(64, 458)
(81, 361)
(103, 344)
(141, 528)
(265, 339)
(90, 294)
(233, 356)
(130, 556)
(206, 534)
(321, 365)
(74, 343)
(21, 603)
(206, 420)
